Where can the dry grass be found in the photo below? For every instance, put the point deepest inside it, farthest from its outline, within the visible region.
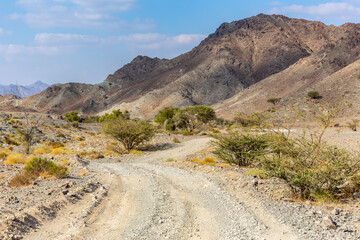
(15, 159)
(136, 152)
(82, 173)
(205, 161)
(40, 150)
(58, 151)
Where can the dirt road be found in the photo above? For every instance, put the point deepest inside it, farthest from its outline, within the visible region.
(147, 200)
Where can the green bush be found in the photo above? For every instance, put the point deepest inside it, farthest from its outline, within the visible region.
(114, 115)
(37, 166)
(187, 118)
(241, 149)
(313, 94)
(165, 117)
(309, 169)
(251, 120)
(273, 100)
(72, 116)
(130, 133)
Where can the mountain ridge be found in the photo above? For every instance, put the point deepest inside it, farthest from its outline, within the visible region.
(229, 61)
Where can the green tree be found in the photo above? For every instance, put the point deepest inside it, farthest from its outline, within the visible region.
(114, 115)
(72, 116)
(128, 132)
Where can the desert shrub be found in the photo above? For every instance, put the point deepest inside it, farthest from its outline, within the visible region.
(42, 149)
(26, 134)
(165, 117)
(109, 116)
(15, 159)
(22, 179)
(37, 166)
(56, 145)
(61, 135)
(273, 100)
(91, 119)
(311, 170)
(240, 149)
(75, 124)
(251, 120)
(130, 133)
(353, 124)
(58, 151)
(187, 118)
(72, 116)
(313, 94)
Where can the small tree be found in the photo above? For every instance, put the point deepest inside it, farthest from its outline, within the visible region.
(26, 133)
(273, 100)
(166, 117)
(115, 114)
(313, 94)
(72, 116)
(130, 133)
(241, 149)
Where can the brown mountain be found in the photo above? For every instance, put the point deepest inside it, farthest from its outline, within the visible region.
(243, 63)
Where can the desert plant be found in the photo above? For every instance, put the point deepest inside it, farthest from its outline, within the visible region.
(37, 166)
(273, 100)
(256, 119)
(306, 177)
(130, 133)
(313, 94)
(353, 124)
(26, 133)
(72, 116)
(238, 148)
(109, 116)
(165, 117)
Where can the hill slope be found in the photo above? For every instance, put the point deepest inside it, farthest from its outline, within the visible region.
(268, 56)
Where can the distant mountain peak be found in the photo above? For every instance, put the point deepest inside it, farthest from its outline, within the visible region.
(23, 91)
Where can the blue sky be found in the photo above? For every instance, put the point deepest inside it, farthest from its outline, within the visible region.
(59, 41)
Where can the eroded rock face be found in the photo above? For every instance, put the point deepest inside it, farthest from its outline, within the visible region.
(238, 55)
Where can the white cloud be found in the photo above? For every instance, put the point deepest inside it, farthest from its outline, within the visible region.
(10, 51)
(157, 41)
(4, 32)
(56, 38)
(78, 14)
(330, 12)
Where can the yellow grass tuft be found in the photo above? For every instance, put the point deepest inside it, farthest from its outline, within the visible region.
(15, 159)
(58, 151)
(42, 149)
(136, 152)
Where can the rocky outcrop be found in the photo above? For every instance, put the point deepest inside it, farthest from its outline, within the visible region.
(267, 55)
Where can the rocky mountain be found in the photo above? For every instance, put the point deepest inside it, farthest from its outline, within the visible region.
(237, 68)
(23, 91)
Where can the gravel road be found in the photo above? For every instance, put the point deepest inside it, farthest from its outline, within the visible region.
(147, 200)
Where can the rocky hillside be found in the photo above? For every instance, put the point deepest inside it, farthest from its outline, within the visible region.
(243, 63)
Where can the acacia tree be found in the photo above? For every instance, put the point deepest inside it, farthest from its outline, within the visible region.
(128, 132)
(26, 132)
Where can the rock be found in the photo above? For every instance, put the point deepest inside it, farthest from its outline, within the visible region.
(328, 223)
(356, 195)
(335, 211)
